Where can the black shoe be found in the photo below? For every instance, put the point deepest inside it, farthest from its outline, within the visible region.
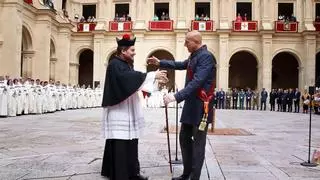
(139, 177)
(182, 177)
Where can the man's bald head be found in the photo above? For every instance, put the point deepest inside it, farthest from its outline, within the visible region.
(195, 36)
(193, 41)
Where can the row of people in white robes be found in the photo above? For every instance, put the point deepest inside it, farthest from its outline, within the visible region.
(20, 99)
(156, 100)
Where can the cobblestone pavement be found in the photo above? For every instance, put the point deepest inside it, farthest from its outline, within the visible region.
(68, 145)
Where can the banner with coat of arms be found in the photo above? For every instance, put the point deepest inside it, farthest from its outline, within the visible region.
(202, 26)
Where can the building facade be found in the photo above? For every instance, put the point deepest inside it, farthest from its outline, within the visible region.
(258, 50)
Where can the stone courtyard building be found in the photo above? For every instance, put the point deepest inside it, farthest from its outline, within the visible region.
(256, 43)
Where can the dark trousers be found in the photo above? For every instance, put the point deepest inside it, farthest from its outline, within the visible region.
(290, 106)
(193, 143)
(120, 159)
(228, 104)
(263, 103)
(248, 104)
(221, 103)
(296, 106)
(273, 104)
(279, 107)
(234, 103)
(284, 107)
(241, 104)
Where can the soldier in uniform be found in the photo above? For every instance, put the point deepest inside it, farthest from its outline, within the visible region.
(255, 100)
(279, 95)
(273, 96)
(221, 99)
(284, 100)
(248, 99)
(215, 99)
(241, 97)
(263, 99)
(234, 98)
(296, 100)
(290, 99)
(228, 99)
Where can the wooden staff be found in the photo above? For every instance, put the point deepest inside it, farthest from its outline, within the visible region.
(168, 138)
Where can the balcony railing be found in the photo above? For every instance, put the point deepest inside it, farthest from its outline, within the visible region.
(28, 1)
(161, 25)
(281, 26)
(317, 25)
(86, 27)
(245, 26)
(117, 26)
(202, 25)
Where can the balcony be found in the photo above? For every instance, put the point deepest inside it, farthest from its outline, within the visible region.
(317, 25)
(202, 25)
(116, 26)
(161, 25)
(86, 27)
(28, 1)
(245, 26)
(281, 26)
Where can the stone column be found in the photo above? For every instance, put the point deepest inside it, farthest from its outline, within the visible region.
(98, 61)
(224, 9)
(53, 73)
(181, 13)
(73, 73)
(265, 66)
(101, 16)
(266, 16)
(309, 59)
(308, 17)
(143, 13)
(42, 30)
(223, 62)
(11, 38)
(181, 54)
(140, 61)
(63, 54)
(299, 14)
(214, 13)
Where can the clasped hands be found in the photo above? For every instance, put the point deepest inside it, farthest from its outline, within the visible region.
(161, 76)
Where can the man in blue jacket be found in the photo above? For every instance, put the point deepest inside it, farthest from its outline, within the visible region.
(200, 77)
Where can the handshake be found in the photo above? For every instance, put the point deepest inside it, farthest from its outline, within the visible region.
(161, 76)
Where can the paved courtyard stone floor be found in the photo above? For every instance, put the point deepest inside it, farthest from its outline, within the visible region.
(68, 145)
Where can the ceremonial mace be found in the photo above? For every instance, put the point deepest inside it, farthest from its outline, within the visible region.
(168, 138)
(176, 161)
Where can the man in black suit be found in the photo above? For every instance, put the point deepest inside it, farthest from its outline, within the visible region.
(296, 100)
(263, 99)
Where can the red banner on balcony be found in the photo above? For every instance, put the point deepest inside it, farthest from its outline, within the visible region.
(120, 26)
(245, 26)
(86, 27)
(28, 1)
(202, 25)
(281, 26)
(317, 26)
(161, 25)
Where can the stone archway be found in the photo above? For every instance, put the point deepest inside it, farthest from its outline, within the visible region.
(243, 72)
(53, 61)
(317, 73)
(86, 68)
(163, 54)
(26, 53)
(285, 72)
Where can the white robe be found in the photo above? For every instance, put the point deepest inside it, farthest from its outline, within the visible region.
(125, 120)
(12, 101)
(3, 100)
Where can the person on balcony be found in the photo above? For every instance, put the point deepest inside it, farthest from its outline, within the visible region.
(82, 20)
(245, 18)
(116, 18)
(128, 17)
(206, 18)
(163, 16)
(202, 17)
(89, 19)
(293, 18)
(167, 16)
(197, 18)
(281, 18)
(239, 18)
(317, 19)
(123, 18)
(155, 18)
